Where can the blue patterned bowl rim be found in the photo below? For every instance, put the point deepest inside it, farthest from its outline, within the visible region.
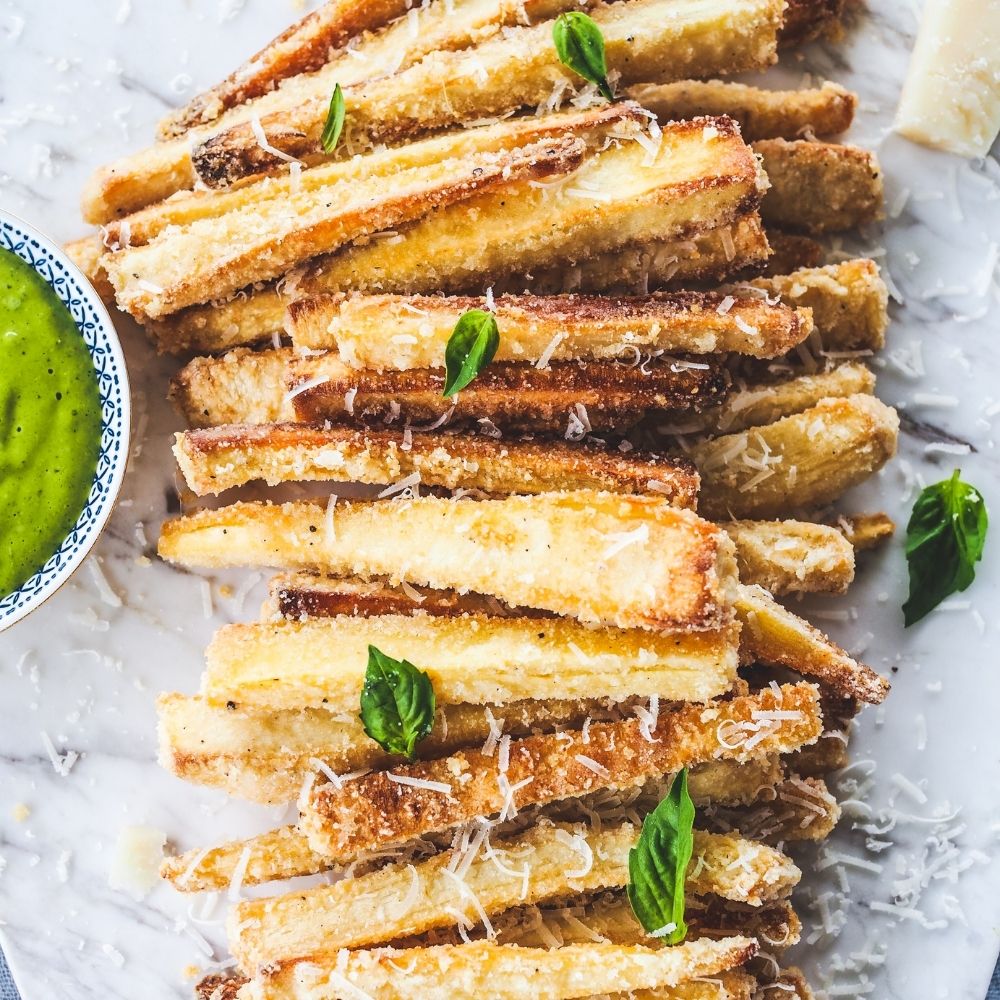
(98, 333)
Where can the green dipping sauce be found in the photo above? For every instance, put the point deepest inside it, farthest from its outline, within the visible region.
(50, 422)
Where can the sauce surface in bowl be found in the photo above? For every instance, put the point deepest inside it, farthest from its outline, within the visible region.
(50, 422)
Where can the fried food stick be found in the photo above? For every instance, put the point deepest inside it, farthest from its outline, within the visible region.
(399, 332)
(799, 462)
(762, 114)
(375, 811)
(644, 40)
(220, 458)
(414, 898)
(576, 554)
(470, 659)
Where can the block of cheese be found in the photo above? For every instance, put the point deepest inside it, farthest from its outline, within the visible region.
(951, 99)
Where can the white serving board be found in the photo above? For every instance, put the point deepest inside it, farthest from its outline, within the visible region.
(82, 83)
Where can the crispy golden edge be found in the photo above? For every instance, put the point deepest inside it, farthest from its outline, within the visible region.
(369, 331)
(791, 984)
(762, 114)
(866, 531)
(644, 40)
(824, 451)
(687, 564)
(288, 927)
(792, 557)
(470, 660)
(266, 756)
(774, 635)
(849, 177)
(375, 811)
(301, 48)
(88, 253)
(220, 458)
(644, 263)
(849, 302)
(212, 258)
(758, 403)
(504, 972)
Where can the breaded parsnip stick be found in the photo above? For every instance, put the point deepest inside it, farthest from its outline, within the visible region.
(501, 972)
(375, 811)
(866, 531)
(647, 262)
(211, 258)
(790, 985)
(547, 862)
(301, 48)
(849, 302)
(789, 557)
(266, 756)
(280, 385)
(790, 252)
(806, 20)
(848, 177)
(396, 331)
(757, 404)
(762, 114)
(644, 40)
(774, 635)
(577, 554)
(799, 462)
(219, 458)
(802, 809)
(470, 659)
(88, 253)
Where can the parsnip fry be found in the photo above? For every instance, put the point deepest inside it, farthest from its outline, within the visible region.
(503, 972)
(376, 810)
(217, 459)
(762, 114)
(866, 531)
(212, 258)
(391, 331)
(577, 554)
(546, 862)
(849, 177)
(774, 635)
(849, 302)
(469, 659)
(644, 40)
(802, 810)
(800, 462)
(789, 557)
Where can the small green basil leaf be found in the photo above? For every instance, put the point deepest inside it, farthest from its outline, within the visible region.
(397, 703)
(471, 347)
(658, 864)
(945, 538)
(580, 46)
(334, 121)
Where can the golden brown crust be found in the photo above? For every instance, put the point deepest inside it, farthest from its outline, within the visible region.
(824, 451)
(807, 20)
(774, 635)
(762, 114)
(301, 48)
(215, 257)
(849, 178)
(375, 811)
(866, 531)
(645, 40)
(576, 554)
(400, 332)
(791, 252)
(790, 985)
(216, 459)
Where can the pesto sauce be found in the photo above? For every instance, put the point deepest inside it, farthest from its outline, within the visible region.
(50, 422)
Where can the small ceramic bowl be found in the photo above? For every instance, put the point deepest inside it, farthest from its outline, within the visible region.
(101, 340)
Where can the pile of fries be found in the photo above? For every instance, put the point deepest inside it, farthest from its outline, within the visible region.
(670, 342)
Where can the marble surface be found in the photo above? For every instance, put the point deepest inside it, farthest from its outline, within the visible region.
(83, 82)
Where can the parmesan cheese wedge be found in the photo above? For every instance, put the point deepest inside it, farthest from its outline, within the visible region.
(951, 99)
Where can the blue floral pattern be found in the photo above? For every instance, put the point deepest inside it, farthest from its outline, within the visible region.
(97, 333)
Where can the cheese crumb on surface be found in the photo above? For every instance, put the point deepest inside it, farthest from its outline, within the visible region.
(135, 868)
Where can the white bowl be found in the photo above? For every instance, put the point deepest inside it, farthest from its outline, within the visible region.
(101, 340)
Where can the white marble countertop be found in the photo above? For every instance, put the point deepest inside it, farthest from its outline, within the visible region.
(83, 82)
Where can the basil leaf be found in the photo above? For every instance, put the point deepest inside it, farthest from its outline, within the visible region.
(658, 864)
(397, 703)
(471, 347)
(944, 540)
(334, 121)
(580, 46)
